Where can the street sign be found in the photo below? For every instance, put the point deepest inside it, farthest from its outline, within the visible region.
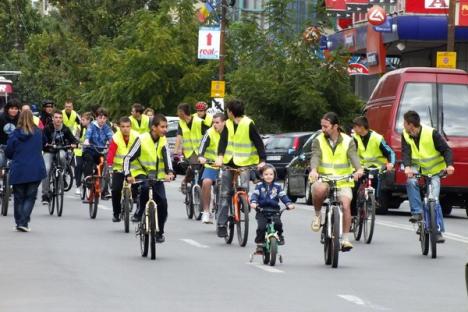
(376, 15)
(218, 89)
(386, 27)
(209, 39)
(447, 60)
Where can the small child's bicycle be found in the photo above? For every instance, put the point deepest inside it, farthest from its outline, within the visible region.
(270, 245)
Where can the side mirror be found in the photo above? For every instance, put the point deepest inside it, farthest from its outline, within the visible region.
(291, 151)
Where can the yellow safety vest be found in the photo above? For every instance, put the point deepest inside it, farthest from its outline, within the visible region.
(242, 150)
(187, 145)
(70, 122)
(151, 156)
(141, 127)
(208, 121)
(426, 157)
(370, 156)
(123, 149)
(211, 152)
(78, 151)
(336, 163)
(36, 120)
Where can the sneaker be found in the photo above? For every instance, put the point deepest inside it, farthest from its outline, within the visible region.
(346, 246)
(23, 229)
(206, 218)
(221, 231)
(259, 249)
(415, 218)
(439, 238)
(281, 240)
(45, 199)
(160, 238)
(116, 219)
(315, 226)
(78, 191)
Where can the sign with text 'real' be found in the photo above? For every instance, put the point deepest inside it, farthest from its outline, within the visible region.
(209, 39)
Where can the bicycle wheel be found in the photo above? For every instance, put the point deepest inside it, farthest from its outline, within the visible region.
(196, 199)
(423, 238)
(188, 201)
(266, 255)
(152, 230)
(68, 177)
(335, 240)
(369, 219)
(84, 189)
(93, 202)
(327, 245)
(358, 222)
(273, 250)
(51, 203)
(144, 237)
(6, 192)
(230, 226)
(433, 229)
(59, 194)
(243, 224)
(126, 213)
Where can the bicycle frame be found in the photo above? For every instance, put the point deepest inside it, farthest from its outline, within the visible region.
(151, 201)
(428, 195)
(239, 191)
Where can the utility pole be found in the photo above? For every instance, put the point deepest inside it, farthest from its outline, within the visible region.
(451, 26)
(222, 48)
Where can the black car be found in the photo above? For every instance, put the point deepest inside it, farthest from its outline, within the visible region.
(296, 182)
(282, 148)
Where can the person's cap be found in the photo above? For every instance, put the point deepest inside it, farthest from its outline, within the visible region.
(48, 103)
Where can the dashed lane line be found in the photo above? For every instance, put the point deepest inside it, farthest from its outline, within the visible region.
(194, 243)
(265, 268)
(360, 302)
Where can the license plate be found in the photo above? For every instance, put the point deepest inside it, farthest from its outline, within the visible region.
(273, 157)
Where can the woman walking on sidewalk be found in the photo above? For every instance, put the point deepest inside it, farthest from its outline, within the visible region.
(27, 168)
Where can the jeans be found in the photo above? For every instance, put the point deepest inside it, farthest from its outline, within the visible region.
(227, 192)
(117, 185)
(78, 170)
(159, 196)
(24, 197)
(48, 159)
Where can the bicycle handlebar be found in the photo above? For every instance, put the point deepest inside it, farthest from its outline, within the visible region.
(442, 174)
(338, 178)
(59, 147)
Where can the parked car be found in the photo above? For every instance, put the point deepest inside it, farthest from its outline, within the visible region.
(172, 125)
(440, 96)
(281, 148)
(296, 182)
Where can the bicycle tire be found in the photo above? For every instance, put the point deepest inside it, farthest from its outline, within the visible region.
(51, 204)
(83, 190)
(197, 204)
(433, 229)
(152, 230)
(188, 202)
(126, 213)
(327, 255)
(6, 193)
(423, 238)
(358, 222)
(59, 194)
(243, 230)
(266, 255)
(273, 250)
(336, 225)
(369, 220)
(230, 231)
(93, 202)
(68, 183)
(144, 238)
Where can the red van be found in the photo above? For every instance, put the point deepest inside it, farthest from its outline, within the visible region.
(440, 96)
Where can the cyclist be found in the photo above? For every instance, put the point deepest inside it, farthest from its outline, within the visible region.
(80, 134)
(70, 118)
(55, 134)
(189, 136)
(202, 108)
(46, 113)
(424, 149)
(118, 149)
(208, 152)
(152, 152)
(267, 195)
(37, 121)
(240, 145)
(140, 122)
(8, 122)
(99, 133)
(372, 149)
(334, 153)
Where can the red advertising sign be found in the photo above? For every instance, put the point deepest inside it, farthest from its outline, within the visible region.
(427, 6)
(6, 88)
(335, 5)
(463, 13)
(357, 2)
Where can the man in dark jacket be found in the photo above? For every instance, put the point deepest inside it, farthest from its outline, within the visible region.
(46, 113)
(55, 134)
(8, 121)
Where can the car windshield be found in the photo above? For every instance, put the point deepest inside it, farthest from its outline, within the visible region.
(454, 100)
(172, 129)
(279, 143)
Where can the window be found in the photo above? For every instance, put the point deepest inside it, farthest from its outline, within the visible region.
(419, 97)
(453, 99)
(279, 143)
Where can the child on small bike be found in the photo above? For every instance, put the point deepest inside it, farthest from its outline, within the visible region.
(267, 195)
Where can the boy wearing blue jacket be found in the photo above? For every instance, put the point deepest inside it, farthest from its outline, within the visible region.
(267, 195)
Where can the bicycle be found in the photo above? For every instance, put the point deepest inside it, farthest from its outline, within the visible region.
(57, 181)
(95, 184)
(239, 207)
(193, 205)
(428, 227)
(270, 245)
(126, 205)
(68, 175)
(6, 189)
(364, 222)
(332, 229)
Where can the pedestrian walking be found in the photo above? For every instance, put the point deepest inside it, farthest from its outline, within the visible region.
(27, 169)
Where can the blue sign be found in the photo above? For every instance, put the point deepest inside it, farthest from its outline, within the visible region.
(323, 43)
(386, 26)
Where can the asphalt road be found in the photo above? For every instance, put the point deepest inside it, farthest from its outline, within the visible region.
(73, 263)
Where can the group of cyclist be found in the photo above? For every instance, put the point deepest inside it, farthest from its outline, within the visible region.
(139, 148)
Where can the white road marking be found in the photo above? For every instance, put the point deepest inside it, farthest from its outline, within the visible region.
(265, 268)
(411, 228)
(104, 207)
(194, 243)
(358, 301)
